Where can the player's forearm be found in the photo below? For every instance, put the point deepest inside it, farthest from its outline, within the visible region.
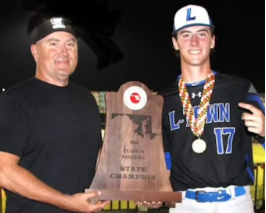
(20, 181)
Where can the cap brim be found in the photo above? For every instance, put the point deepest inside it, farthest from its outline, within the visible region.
(41, 34)
(191, 25)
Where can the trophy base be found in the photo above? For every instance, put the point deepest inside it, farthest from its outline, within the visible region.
(170, 198)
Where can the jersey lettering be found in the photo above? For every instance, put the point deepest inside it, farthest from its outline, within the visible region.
(218, 112)
(174, 125)
(229, 132)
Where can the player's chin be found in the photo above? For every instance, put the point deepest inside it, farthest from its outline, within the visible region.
(195, 62)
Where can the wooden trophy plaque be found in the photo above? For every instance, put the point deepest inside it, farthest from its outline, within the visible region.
(132, 165)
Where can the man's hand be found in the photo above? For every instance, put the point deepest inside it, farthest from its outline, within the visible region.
(254, 121)
(150, 205)
(81, 203)
(20, 181)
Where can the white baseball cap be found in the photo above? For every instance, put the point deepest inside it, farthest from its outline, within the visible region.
(191, 15)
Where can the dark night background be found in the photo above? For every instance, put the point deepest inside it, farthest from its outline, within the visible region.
(141, 31)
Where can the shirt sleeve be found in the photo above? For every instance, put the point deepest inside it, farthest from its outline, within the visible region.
(166, 142)
(13, 126)
(166, 134)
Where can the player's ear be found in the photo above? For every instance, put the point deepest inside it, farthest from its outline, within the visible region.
(175, 44)
(213, 42)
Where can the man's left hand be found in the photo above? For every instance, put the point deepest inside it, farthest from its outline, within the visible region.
(254, 121)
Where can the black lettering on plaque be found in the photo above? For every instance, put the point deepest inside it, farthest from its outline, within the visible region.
(133, 151)
(133, 169)
(134, 142)
(137, 157)
(138, 120)
(133, 176)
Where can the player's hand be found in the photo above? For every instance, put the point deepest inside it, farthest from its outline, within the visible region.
(254, 121)
(81, 203)
(150, 205)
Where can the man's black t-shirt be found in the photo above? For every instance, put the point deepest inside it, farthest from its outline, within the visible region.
(56, 132)
(228, 158)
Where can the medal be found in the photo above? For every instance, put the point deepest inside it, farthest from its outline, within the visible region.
(199, 145)
(197, 125)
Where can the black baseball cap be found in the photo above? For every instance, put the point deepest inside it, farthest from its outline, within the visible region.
(52, 25)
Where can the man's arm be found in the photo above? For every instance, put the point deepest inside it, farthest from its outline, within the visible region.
(13, 140)
(18, 180)
(255, 122)
(254, 117)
